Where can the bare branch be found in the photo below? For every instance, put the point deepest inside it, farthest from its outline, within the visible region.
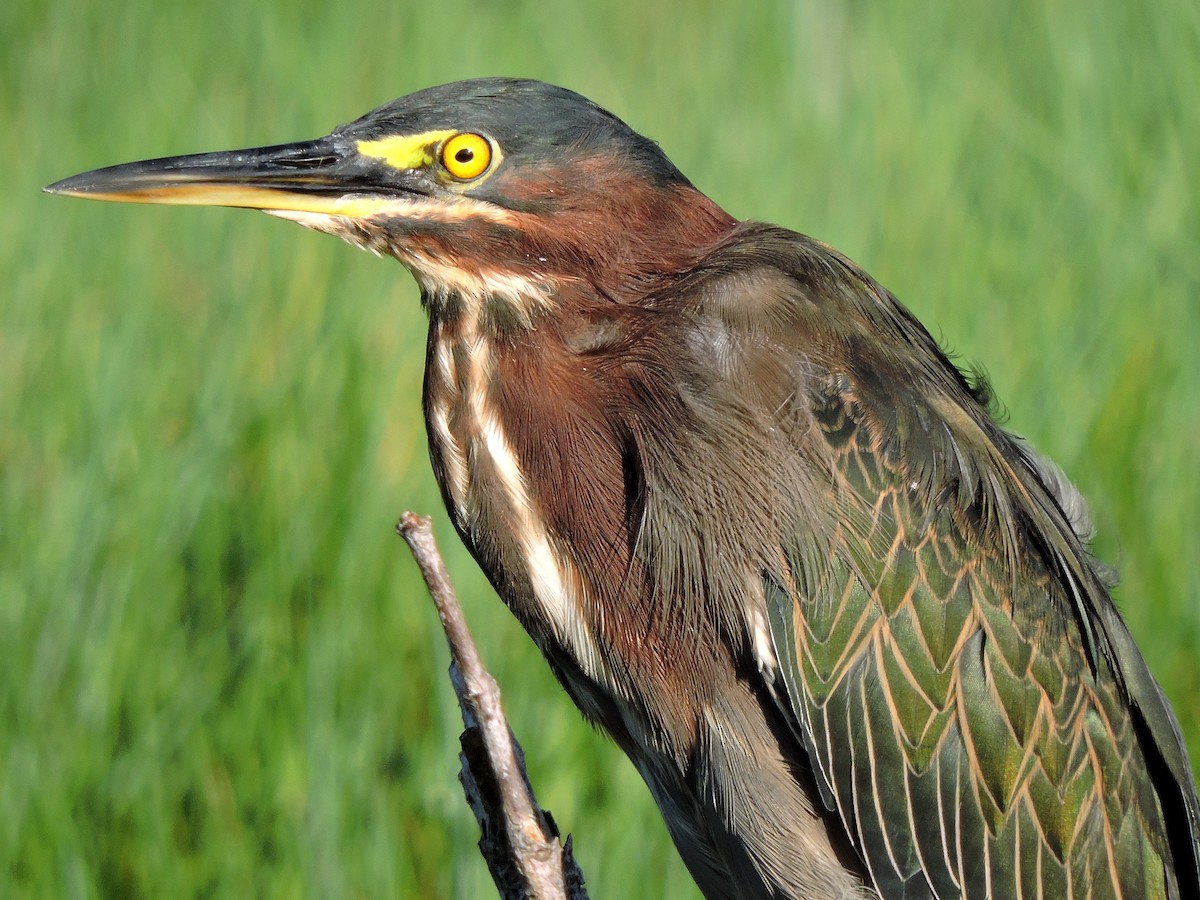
(519, 839)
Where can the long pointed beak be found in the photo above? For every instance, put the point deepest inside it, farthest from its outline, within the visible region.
(322, 176)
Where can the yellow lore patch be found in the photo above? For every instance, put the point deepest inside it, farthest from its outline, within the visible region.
(405, 151)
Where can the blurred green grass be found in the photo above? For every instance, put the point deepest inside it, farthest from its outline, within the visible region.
(219, 674)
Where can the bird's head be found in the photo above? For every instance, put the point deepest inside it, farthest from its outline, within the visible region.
(490, 187)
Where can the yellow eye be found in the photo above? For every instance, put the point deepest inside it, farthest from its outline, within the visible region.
(466, 155)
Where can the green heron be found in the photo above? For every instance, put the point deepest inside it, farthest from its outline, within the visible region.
(766, 534)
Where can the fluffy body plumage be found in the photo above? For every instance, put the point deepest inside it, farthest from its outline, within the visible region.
(765, 532)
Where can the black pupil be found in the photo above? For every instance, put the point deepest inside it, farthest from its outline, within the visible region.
(465, 155)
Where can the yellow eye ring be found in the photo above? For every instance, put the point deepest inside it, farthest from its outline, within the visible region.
(466, 155)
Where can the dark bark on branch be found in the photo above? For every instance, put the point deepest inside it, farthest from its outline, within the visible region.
(519, 839)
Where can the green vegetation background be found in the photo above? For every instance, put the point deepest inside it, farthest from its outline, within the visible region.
(219, 674)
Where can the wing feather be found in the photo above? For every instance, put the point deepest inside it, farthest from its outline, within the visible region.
(931, 658)
(972, 705)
